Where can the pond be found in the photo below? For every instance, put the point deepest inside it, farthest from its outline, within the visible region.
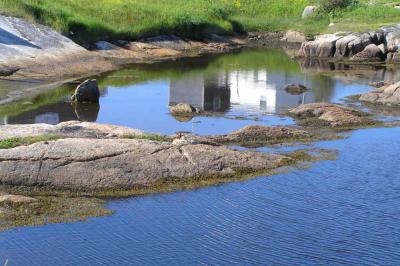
(341, 212)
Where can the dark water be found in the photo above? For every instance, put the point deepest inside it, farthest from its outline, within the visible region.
(342, 212)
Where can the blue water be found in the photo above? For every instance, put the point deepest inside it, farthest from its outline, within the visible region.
(343, 212)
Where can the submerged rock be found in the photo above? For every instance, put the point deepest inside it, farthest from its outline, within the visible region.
(296, 89)
(386, 95)
(327, 114)
(88, 91)
(109, 164)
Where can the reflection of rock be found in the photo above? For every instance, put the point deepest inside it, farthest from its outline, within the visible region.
(88, 91)
(327, 114)
(87, 112)
(295, 89)
(387, 95)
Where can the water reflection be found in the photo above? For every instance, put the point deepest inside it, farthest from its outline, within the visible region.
(247, 83)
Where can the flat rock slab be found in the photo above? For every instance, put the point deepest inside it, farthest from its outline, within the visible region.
(328, 114)
(386, 95)
(110, 164)
(68, 129)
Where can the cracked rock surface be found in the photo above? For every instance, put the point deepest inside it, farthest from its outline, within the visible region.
(101, 164)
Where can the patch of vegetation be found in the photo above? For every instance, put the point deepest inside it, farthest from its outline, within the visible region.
(152, 137)
(87, 21)
(15, 142)
(50, 209)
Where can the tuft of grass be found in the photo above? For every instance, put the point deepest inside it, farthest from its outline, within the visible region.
(15, 142)
(152, 137)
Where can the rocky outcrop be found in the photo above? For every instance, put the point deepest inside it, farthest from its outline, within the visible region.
(296, 89)
(71, 129)
(88, 91)
(293, 36)
(323, 46)
(15, 199)
(262, 135)
(388, 94)
(379, 45)
(328, 114)
(110, 164)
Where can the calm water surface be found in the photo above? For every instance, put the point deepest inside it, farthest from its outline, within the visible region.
(342, 212)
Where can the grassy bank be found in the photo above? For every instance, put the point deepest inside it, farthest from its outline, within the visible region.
(90, 20)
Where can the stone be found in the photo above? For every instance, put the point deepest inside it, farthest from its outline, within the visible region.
(292, 36)
(117, 164)
(328, 114)
(88, 91)
(308, 11)
(182, 109)
(70, 129)
(370, 53)
(351, 45)
(393, 57)
(261, 135)
(296, 89)
(385, 95)
(323, 46)
(14, 199)
(380, 84)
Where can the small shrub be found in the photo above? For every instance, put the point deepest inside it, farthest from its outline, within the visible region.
(332, 5)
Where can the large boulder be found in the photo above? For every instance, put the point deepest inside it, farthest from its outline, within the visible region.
(328, 114)
(392, 38)
(351, 45)
(308, 11)
(370, 53)
(118, 164)
(386, 95)
(293, 36)
(88, 91)
(323, 46)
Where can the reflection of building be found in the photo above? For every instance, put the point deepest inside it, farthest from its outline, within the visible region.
(247, 90)
(210, 93)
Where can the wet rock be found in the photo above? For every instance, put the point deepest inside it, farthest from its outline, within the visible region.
(386, 95)
(182, 109)
(88, 91)
(393, 57)
(70, 129)
(370, 53)
(323, 46)
(292, 36)
(13, 199)
(296, 89)
(110, 164)
(261, 135)
(308, 11)
(327, 114)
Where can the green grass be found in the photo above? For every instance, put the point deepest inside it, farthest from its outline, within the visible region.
(87, 21)
(15, 142)
(152, 137)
